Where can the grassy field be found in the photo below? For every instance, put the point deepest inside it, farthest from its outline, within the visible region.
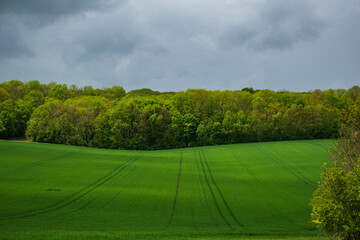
(241, 191)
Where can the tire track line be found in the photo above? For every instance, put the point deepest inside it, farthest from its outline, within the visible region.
(220, 193)
(114, 174)
(30, 165)
(203, 187)
(113, 198)
(213, 196)
(293, 171)
(176, 194)
(83, 192)
(259, 194)
(92, 187)
(48, 177)
(93, 199)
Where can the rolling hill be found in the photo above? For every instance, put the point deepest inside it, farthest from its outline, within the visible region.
(231, 191)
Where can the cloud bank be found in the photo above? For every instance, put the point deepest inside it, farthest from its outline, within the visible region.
(174, 45)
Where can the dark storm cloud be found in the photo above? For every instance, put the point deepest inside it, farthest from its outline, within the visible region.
(174, 45)
(11, 43)
(109, 38)
(105, 42)
(279, 24)
(37, 13)
(55, 8)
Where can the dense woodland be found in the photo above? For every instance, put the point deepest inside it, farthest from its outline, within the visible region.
(146, 119)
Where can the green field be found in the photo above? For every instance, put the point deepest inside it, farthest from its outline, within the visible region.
(255, 190)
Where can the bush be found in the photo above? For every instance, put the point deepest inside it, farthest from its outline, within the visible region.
(336, 202)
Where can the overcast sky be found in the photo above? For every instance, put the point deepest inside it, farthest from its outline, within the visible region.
(172, 45)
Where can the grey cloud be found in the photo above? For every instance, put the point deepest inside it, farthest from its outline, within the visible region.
(109, 37)
(11, 43)
(39, 13)
(86, 48)
(111, 44)
(238, 36)
(17, 14)
(173, 45)
(279, 25)
(50, 7)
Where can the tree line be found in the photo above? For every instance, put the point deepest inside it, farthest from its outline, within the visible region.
(146, 119)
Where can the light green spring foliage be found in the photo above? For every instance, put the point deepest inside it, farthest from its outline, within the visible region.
(147, 121)
(144, 119)
(255, 190)
(336, 202)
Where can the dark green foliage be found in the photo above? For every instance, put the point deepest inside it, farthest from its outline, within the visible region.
(354, 92)
(3, 95)
(143, 92)
(137, 123)
(13, 118)
(147, 119)
(250, 90)
(116, 92)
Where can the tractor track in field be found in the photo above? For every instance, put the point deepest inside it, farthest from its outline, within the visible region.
(93, 199)
(203, 188)
(221, 194)
(44, 179)
(113, 198)
(75, 196)
(290, 169)
(176, 194)
(256, 192)
(30, 165)
(96, 197)
(213, 196)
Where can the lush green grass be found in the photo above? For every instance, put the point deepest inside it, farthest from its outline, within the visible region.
(255, 190)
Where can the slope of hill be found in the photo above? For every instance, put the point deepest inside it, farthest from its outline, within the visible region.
(64, 192)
